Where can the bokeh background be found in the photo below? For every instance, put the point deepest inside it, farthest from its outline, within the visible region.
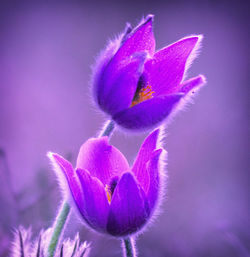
(46, 52)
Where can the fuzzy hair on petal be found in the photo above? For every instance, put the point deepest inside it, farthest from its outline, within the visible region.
(194, 54)
(61, 179)
(193, 84)
(184, 103)
(104, 57)
(161, 194)
(162, 167)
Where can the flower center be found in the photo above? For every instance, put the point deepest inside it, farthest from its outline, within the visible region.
(111, 188)
(108, 192)
(144, 94)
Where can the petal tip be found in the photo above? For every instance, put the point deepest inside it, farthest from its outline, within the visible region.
(54, 157)
(157, 153)
(196, 45)
(200, 37)
(156, 132)
(154, 136)
(148, 21)
(128, 175)
(203, 79)
(178, 96)
(193, 84)
(193, 39)
(128, 178)
(50, 155)
(82, 172)
(149, 18)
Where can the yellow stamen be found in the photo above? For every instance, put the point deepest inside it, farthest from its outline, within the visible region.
(144, 94)
(108, 192)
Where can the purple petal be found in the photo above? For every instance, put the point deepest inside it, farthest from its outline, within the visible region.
(193, 84)
(96, 204)
(153, 168)
(149, 113)
(119, 85)
(140, 40)
(145, 153)
(118, 79)
(128, 212)
(101, 159)
(100, 66)
(165, 71)
(66, 169)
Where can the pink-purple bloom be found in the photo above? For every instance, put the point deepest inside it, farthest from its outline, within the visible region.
(138, 87)
(111, 197)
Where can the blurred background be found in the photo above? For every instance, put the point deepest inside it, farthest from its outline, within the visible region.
(46, 52)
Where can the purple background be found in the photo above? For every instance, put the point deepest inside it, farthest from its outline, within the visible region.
(46, 53)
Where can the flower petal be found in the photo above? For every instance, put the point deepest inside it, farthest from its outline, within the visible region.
(148, 113)
(101, 159)
(141, 39)
(193, 84)
(153, 168)
(67, 172)
(96, 204)
(128, 210)
(101, 63)
(165, 71)
(145, 153)
(119, 85)
(119, 78)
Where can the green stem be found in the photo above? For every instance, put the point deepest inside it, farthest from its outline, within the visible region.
(58, 228)
(108, 129)
(129, 247)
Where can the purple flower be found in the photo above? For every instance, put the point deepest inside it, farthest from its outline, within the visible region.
(111, 197)
(138, 87)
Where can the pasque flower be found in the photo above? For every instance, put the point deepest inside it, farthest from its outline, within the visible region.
(110, 196)
(138, 87)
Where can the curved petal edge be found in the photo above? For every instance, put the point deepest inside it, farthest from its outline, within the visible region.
(101, 159)
(95, 201)
(149, 113)
(67, 178)
(128, 209)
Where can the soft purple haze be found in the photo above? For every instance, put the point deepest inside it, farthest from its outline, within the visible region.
(45, 104)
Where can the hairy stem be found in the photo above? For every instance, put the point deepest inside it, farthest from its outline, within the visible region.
(58, 228)
(129, 247)
(108, 129)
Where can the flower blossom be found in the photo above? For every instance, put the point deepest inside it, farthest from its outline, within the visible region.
(111, 197)
(138, 87)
